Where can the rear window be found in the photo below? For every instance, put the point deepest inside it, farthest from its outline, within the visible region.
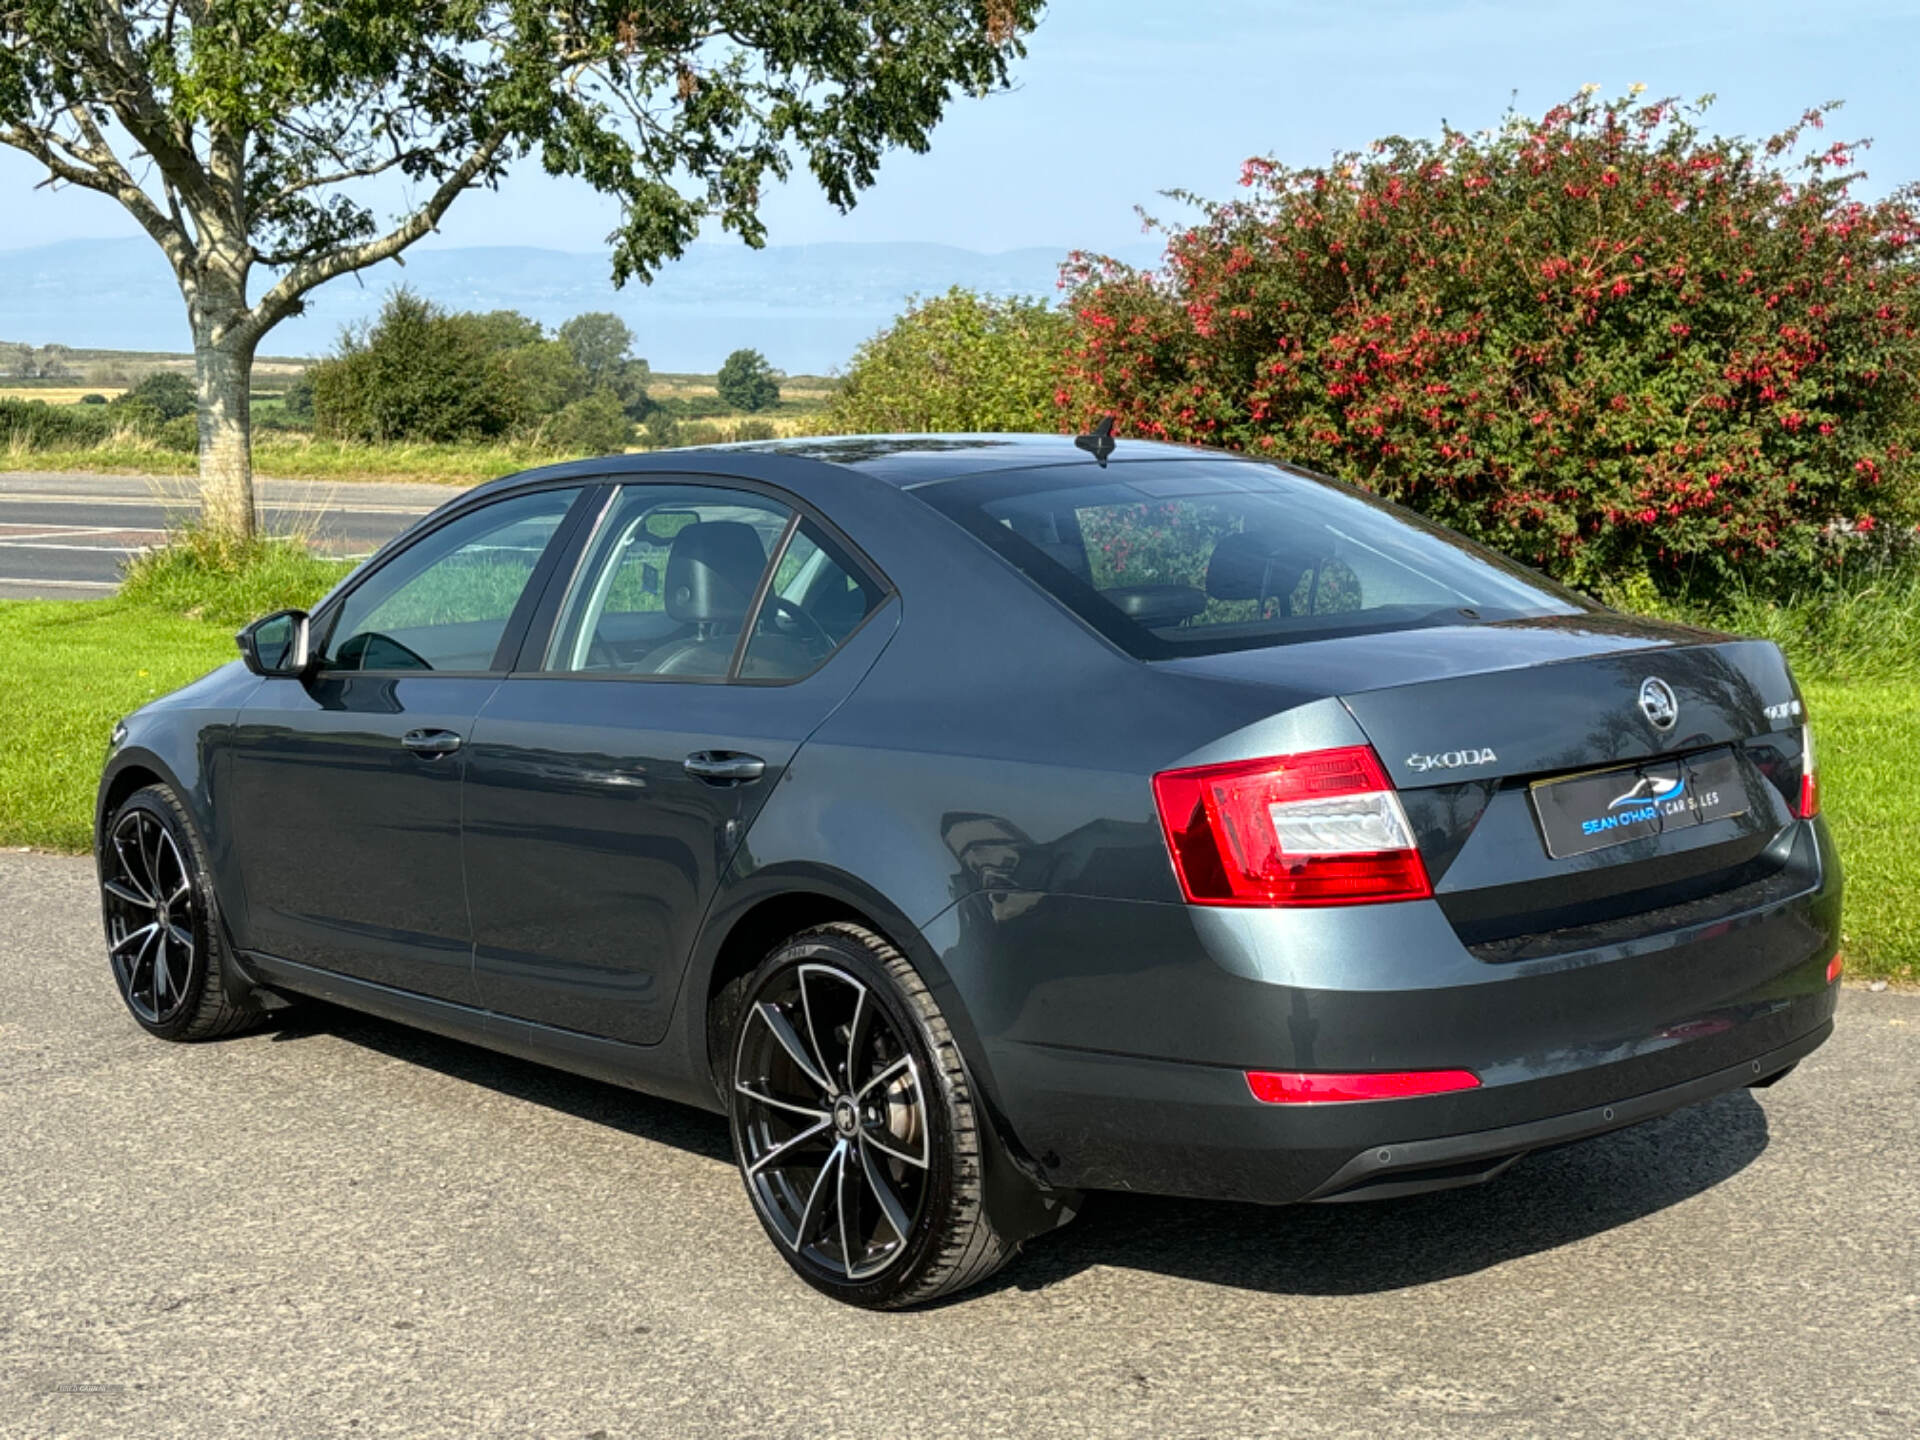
(1194, 557)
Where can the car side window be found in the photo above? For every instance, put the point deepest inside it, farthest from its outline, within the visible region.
(667, 582)
(444, 603)
(817, 599)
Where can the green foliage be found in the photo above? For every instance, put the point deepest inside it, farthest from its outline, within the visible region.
(36, 425)
(1865, 626)
(747, 382)
(167, 394)
(596, 424)
(296, 404)
(1602, 341)
(93, 399)
(957, 362)
(417, 374)
(205, 575)
(602, 346)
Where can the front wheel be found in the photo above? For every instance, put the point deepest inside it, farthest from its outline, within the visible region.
(164, 942)
(855, 1127)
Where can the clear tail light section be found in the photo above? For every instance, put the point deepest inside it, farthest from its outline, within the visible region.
(1320, 828)
(1809, 805)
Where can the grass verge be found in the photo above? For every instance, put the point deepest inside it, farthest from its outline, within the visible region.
(298, 457)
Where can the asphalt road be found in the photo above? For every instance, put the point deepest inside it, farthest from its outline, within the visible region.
(343, 1228)
(67, 536)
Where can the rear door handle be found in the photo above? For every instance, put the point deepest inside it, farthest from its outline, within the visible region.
(432, 742)
(724, 767)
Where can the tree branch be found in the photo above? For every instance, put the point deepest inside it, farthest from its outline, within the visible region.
(284, 298)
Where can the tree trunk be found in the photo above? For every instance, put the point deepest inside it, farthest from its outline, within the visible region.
(225, 373)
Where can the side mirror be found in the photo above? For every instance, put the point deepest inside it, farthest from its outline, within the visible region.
(276, 644)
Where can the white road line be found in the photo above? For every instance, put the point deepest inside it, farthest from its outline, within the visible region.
(78, 532)
(87, 549)
(318, 508)
(60, 584)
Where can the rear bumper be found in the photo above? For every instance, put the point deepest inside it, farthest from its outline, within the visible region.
(1126, 1069)
(1167, 1128)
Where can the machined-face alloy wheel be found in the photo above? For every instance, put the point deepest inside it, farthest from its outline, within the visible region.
(832, 1121)
(151, 914)
(855, 1124)
(164, 940)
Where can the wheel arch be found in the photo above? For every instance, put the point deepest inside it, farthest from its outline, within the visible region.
(747, 923)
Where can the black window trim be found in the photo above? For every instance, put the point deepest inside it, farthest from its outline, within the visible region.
(533, 643)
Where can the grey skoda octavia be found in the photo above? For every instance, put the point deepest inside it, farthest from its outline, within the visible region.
(981, 821)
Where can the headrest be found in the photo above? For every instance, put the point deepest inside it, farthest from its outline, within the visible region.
(1252, 566)
(712, 571)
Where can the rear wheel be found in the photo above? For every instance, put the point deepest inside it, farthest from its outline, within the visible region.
(855, 1126)
(164, 942)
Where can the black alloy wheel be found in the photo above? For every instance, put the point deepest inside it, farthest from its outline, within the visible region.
(854, 1125)
(163, 939)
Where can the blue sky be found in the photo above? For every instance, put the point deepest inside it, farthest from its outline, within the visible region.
(1121, 99)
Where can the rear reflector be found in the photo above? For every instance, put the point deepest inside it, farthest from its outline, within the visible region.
(1321, 828)
(1809, 782)
(1835, 966)
(1298, 1087)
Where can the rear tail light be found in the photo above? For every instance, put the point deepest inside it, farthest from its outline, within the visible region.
(1835, 966)
(1809, 805)
(1321, 828)
(1295, 1087)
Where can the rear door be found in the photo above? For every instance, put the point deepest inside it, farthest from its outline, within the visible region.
(705, 632)
(344, 786)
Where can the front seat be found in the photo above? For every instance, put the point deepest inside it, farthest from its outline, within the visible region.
(712, 571)
(1252, 565)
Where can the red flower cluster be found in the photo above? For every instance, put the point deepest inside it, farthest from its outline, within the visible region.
(1603, 340)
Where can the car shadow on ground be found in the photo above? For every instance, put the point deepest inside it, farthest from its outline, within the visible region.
(1549, 1199)
(642, 1116)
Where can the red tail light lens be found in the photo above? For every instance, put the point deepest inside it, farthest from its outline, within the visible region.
(1296, 1087)
(1835, 966)
(1322, 828)
(1809, 782)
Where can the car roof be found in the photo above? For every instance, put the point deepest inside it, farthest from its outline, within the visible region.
(904, 461)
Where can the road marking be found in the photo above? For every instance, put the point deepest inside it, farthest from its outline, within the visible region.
(60, 584)
(86, 549)
(313, 507)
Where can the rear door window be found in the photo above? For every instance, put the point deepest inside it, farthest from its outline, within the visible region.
(667, 582)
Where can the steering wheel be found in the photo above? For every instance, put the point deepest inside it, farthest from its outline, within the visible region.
(787, 610)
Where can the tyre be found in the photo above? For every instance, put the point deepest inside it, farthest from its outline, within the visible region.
(855, 1127)
(164, 940)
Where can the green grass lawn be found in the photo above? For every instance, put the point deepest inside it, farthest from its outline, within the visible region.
(1867, 737)
(70, 669)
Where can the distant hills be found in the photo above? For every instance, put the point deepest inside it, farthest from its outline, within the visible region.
(806, 306)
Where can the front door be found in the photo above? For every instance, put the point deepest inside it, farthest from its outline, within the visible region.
(610, 782)
(346, 785)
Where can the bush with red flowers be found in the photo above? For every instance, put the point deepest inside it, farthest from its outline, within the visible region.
(1603, 341)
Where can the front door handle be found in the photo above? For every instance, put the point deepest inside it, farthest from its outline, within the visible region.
(432, 742)
(724, 767)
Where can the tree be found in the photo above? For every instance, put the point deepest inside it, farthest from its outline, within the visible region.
(1602, 340)
(167, 393)
(600, 344)
(959, 361)
(251, 135)
(747, 382)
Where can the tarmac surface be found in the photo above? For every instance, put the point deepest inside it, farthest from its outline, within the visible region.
(66, 537)
(338, 1227)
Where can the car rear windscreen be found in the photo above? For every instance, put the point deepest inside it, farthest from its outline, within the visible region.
(1193, 557)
